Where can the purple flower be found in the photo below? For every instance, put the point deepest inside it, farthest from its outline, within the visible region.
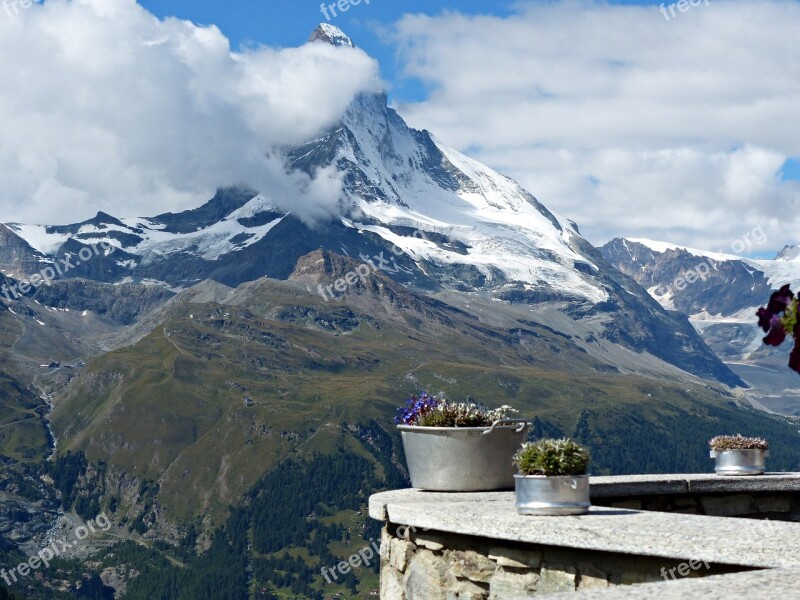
(776, 333)
(780, 319)
(416, 408)
(769, 317)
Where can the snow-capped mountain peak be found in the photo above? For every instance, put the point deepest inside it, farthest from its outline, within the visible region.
(398, 177)
(661, 247)
(423, 213)
(330, 34)
(789, 254)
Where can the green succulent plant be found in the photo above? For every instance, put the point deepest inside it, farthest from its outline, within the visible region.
(737, 442)
(552, 458)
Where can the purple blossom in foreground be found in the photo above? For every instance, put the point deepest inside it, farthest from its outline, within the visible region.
(416, 408)
(779, 319)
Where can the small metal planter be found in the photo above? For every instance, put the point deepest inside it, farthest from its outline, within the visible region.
(552, 496)
(463, 459)
(740, 462)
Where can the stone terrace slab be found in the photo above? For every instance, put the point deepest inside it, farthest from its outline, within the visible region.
(489, 520)
(747, 542)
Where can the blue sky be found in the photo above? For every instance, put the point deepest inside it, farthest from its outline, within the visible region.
(791, 169)
(288, 23)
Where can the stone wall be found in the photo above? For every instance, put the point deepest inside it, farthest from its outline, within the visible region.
(433, 565)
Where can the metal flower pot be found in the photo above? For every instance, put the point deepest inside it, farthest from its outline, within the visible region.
(463, 459)
(552, 496)
(740, 462)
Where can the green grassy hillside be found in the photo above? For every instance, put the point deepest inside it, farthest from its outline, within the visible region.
(220, 394)
(22, 434)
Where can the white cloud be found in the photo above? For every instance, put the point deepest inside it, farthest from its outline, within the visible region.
(621, 120)
(105, 107)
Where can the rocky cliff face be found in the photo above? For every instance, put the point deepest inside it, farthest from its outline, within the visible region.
(691, 282)
(17, 257)
(123, 304)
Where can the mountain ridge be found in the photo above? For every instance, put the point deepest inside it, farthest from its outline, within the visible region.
(445, 223)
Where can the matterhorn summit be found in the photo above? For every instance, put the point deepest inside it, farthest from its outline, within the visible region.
(332, 35)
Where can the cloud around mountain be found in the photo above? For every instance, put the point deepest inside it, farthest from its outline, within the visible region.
(105, 107)
(628, 123)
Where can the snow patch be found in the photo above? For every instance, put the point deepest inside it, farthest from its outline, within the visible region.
(662, 247)
(38, 238)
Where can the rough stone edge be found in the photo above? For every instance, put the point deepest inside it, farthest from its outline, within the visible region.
(622, 489)
(379, 502)
(771, 482)
(769, 583)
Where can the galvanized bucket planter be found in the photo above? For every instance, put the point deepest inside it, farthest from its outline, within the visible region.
(463, 459)
(552, 496)
(740, 462)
